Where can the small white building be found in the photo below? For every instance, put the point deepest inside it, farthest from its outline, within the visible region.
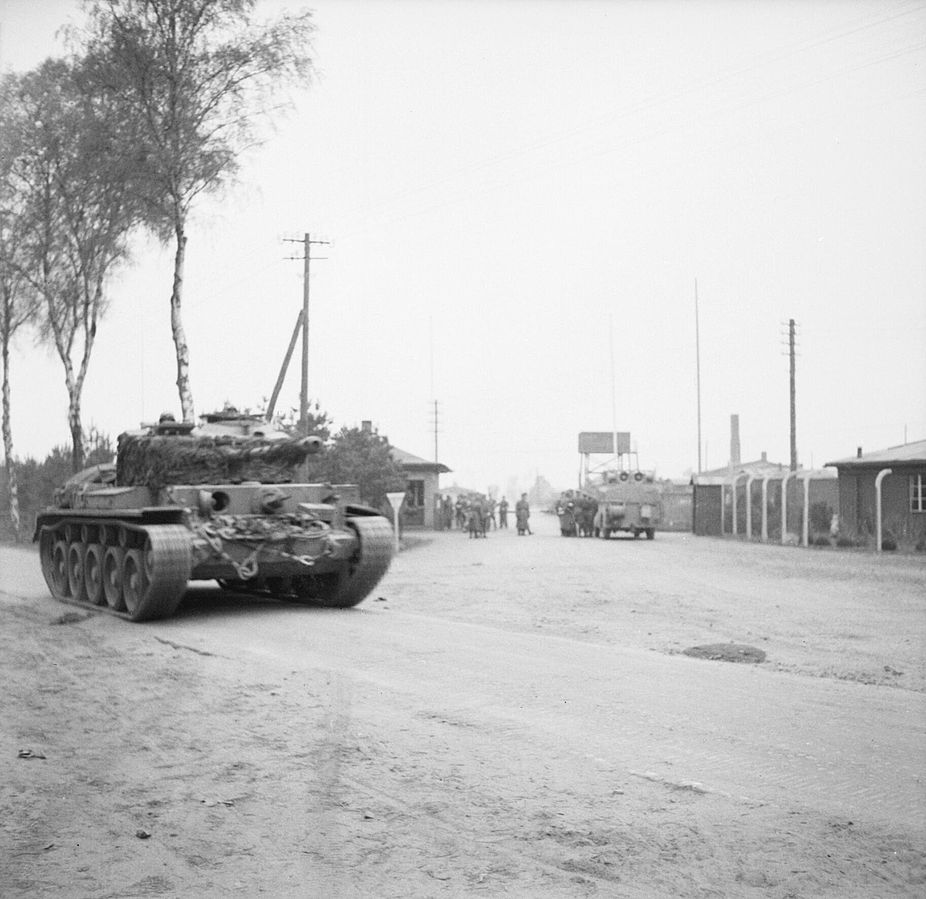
(422, 479)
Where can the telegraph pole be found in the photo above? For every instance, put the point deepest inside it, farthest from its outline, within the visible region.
(434, 401)
(698, 366)
(791, 354)
(307, 243)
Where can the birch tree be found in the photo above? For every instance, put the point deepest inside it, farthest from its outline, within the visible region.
(17, 306)
(196, 78)
(75, 214)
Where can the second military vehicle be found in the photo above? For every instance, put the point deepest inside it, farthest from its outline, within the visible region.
(628, 501)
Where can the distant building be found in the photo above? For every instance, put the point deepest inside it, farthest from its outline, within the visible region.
(421, 487)
(900, 471)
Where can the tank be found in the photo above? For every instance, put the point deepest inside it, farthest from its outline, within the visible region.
(220, 502)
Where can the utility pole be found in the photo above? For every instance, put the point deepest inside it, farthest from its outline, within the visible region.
(698, 366)
(435, 413)
(307, 243)
(431, 361)
(792, 328)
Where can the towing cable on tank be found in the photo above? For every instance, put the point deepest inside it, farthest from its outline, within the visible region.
(249, 568)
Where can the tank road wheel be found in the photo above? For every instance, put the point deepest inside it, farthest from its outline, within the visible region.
(112, 577)
(76, 571)
(93, 574)
(133, 581)
(364, 571)
(154, 579)
(59, 570)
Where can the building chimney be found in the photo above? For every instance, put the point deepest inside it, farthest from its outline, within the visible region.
(858, 453)
(366, 426)
(764, 456)
(734, 440)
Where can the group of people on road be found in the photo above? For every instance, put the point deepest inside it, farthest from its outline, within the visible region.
(475, 513)
(576, 514)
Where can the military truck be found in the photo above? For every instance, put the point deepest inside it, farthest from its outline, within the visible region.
(628, 501)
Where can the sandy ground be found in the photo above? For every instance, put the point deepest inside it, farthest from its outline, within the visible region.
(509, 716)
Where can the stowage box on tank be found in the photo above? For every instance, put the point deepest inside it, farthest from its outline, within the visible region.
(215, 502)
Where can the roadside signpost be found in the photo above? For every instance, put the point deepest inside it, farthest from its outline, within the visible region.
(396, 500)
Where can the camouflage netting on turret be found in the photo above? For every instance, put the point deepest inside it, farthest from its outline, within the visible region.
(156, 462)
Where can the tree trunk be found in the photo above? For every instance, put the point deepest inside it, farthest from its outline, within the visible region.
(77, 430)
(176, 325)
(8, 446)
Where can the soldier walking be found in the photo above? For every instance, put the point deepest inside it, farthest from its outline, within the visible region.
(522, 514)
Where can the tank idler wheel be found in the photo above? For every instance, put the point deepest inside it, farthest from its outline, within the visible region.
(93, 574)
(59, 570)
(112, 577)
(154, 579)
(76, 571)
(370, 562)
(47, 560)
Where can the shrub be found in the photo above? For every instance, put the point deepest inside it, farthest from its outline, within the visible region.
(37, 481)
(821, 514)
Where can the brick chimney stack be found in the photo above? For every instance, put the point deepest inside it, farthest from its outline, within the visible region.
(735, 440)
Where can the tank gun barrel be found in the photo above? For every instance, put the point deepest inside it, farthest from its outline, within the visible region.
(313, 444)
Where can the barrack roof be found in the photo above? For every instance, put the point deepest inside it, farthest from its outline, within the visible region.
(412, 462)
(913, 453)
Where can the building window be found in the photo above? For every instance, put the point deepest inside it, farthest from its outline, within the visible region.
(414, 494)
(917, 493)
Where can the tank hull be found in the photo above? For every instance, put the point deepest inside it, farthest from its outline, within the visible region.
(134, 551)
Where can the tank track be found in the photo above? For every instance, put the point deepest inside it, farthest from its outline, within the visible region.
(139, 572)
(367, 567)
(345, 588)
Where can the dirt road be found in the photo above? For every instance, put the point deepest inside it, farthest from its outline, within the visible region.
(510, 716)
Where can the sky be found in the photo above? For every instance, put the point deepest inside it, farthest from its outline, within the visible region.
(523, 201)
